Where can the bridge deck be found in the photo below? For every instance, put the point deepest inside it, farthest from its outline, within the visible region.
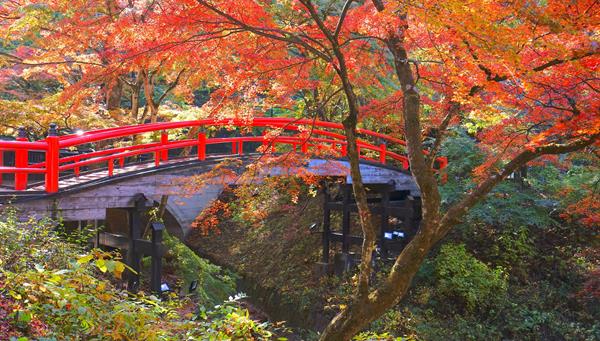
(62, 155)
(69, 182)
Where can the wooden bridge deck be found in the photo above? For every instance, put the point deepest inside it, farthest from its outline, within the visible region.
(73, 181)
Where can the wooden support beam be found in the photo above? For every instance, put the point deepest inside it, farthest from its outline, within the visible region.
(346, 192)
(385, 219)
(326, 224)
(351, 239)
(156, 265)
(135, 232)
(395, 209)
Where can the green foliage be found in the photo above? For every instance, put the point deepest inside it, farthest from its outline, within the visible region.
(463, 154)
(466, 281)
(214, 284)
(371, 336)
(27, 243)
(229, 322)
(51, 290)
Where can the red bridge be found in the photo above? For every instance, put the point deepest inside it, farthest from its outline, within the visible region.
(111, 177)
(298, 134)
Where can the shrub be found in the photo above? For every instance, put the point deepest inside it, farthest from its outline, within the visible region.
(467, 281)
(51, 290)
(26, 243)
(214, 284)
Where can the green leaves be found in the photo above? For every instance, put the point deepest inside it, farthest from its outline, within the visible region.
(465, 281)
(51, 297)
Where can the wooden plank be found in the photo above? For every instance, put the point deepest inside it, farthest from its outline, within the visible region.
(113, 240)
(339, 237)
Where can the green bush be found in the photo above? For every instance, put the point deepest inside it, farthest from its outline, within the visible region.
(51, 290)
(214, 284)
(466, 281)
(26, 243)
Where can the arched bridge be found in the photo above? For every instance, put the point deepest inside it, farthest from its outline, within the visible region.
(78, 176)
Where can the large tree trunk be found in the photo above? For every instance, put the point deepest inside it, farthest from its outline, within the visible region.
(359, 314)
(363, 310)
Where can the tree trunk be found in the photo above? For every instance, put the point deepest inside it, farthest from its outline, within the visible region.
(363, 311)
(359, 314)
(113, 95)
(151, 105)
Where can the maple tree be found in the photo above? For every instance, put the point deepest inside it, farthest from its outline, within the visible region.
(74, 51)
(522, 73)
(522, 76)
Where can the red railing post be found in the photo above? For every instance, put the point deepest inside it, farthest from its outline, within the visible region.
(405, 164)
(305, 147)
(77, 170)
(164, 140)
(1, 163)
(111, 167)
(52, 160)
(344, 149)
(234, 147)
(240, 147)
(265, 142)
(382, 153)
(201, 146)
(21, 161)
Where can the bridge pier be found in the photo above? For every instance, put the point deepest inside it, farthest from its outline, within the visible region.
(396, 212)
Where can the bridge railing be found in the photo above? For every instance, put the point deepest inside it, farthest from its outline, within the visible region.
(306, 135)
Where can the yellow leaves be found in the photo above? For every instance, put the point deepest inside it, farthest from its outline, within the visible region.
(105, 297)
(30, 20)
(101, 265)
(101, 286)
(85, 259)
(119, 268)
(15, 295)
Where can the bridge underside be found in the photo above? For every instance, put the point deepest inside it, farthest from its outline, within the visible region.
(88, 197)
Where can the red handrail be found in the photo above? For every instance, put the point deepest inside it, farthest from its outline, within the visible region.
(307, 133)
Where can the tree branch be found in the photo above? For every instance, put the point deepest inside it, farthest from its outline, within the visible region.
(171, 87)
(458, 210)
(340, 22)
(441, 133)
(283, 36)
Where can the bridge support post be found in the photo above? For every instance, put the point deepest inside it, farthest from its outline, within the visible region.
(326, 224)
(346, 218)
(385, 220)
(21, 161)
(156, 263)
(135, 232)
(52, 160)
